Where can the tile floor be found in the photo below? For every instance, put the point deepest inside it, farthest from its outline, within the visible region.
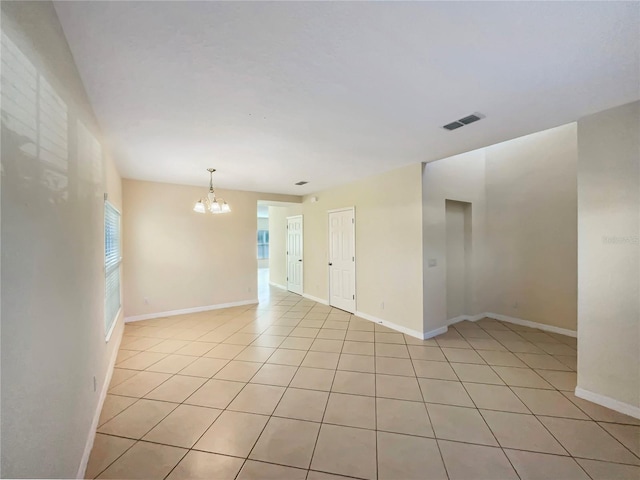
(291, 389)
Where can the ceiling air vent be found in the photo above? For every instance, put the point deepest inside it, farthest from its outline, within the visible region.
(470, 119)
(453, 125)
(302, 182)
(474, 117)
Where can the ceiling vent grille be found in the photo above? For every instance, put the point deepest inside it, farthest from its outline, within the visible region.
(474, 117)
(302, 182)
(453, 125)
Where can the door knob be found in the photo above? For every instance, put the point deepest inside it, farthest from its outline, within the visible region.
(330, 263)
(299, 259)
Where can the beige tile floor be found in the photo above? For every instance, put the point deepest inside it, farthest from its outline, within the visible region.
(291, 389)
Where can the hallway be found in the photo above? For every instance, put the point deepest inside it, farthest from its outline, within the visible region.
(293, 389)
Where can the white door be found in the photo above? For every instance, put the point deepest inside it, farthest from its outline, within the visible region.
(294, 254)
(342, 259)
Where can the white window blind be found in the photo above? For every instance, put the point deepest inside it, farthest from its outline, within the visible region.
(112, 258)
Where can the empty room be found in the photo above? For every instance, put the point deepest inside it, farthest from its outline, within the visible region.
(320, 240)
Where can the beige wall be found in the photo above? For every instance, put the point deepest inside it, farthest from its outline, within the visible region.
(388, 213)
(531, 229)
(53, 333)
(278, 242)
(608, 254)
(460, 178)
(523, 199)
(178, 259)
(458, 218)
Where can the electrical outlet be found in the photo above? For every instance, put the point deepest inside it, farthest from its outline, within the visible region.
(146, 300)
(515, 305)
(95, 384)
(381, 305)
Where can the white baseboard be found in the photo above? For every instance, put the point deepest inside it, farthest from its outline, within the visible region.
(528, 323)
(608, 402)
(96, 416)
(470, 318)
(283, 287)
(394, 326)
(435, 333)
(458, 319)
(315, 299)
(171, 313)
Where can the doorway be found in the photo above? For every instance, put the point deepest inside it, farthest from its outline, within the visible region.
(263, 251)
(342, 259)
(295, 267)
(458, 231)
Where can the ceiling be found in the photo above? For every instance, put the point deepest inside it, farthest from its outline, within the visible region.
(271, 93)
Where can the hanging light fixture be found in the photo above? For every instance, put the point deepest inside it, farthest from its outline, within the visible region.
(211, 203)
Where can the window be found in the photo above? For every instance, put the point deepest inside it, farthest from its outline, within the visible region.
(263, 244)
(112, 259)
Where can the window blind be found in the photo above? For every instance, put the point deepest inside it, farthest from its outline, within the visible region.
(112, 258)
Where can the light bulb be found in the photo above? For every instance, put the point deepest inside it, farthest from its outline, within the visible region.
(226, 208)
(199, 207)
(215, 207)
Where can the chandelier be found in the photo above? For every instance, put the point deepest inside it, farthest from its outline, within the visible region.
(211, 203)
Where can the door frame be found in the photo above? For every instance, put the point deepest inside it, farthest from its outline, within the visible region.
(355, 256)
(301, 251)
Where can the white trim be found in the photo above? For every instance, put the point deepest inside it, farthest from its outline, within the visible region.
(343, 209)
(96, 416)
(514, 320)
(113, 325)
(171, 313)
(457, 319)
(451, 321)
(394, 326)
(528, 323)
(608, 402)
(435, 333)
(315, 299)
(470, 318)
(274, 284)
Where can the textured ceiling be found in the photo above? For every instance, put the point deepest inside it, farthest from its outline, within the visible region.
(271, 93)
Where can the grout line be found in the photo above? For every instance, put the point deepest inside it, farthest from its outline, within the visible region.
(324, 412)
(499, 445)
(446, 471)
(274, 409)
(525, 405)
(226, 409)
(136, 440)
(560, 392)
(375, 399)
(237, 320)
(360, 428)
